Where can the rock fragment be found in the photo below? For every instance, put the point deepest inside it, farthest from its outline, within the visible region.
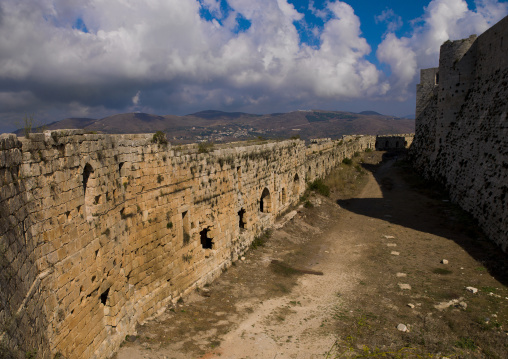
(472, 289)
(402, 328)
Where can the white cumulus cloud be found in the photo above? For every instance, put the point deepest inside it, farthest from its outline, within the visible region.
(181, 62)
(442, 20)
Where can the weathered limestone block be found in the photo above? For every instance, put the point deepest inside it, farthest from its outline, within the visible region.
(119, 225)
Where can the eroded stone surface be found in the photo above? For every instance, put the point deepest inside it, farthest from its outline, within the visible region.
(461, 120)
(100, 232)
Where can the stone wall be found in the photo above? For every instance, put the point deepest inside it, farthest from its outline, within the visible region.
(461, 128)
(394, 142)
(100, 232)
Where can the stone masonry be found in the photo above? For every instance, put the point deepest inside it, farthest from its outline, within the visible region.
(101, 232)
(461, 135)
(394, 142)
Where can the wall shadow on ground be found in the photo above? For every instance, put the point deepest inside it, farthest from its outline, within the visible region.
(409, 201)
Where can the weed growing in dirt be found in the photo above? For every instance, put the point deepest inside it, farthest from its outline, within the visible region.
(260, 240)
(465, 343)
(320, 187)
(347, 178)
(442, 271)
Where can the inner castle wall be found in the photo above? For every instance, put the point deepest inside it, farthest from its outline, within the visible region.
(101, 232)
(461, 137)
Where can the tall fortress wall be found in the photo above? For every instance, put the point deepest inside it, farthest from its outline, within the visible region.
(461, 137)
(100, 232)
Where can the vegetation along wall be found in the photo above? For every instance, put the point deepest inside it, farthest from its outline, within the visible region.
(100, 232)
(461, 135)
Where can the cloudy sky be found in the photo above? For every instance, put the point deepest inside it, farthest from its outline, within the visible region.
(94, 58)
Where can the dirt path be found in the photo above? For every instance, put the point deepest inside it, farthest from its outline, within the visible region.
(380, 255)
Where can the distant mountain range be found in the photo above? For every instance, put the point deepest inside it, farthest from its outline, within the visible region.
(232, 126)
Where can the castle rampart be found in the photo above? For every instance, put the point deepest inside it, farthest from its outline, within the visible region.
(100, 232)
(394, 142)
(461, 135)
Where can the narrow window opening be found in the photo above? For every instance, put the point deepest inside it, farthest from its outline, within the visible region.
(206, 242)
(120, 165)
(241, 218)
(239, 176)
(104, 296)
(436, 79)
(87, 171)
(185, 227)
(284, 196)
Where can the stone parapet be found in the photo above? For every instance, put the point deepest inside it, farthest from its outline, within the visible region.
(101, 232)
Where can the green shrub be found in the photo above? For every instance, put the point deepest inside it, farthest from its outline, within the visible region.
(160, 178)
(347, 161)
(205, 147)
(320, 187)
(159, 137)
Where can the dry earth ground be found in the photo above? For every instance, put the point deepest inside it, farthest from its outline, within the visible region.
(379, 240)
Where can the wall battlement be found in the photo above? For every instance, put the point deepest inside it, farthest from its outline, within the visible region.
(100, 232)
(461, 137)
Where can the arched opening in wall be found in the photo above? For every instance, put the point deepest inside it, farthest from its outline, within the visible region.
(241, 218)
(296, 185)
(265, 202)
(284, 196)
(206, 242)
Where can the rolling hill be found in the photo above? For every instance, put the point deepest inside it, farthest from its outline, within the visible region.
(222, 126)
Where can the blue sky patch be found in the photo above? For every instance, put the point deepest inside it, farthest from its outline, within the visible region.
(79, 24)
